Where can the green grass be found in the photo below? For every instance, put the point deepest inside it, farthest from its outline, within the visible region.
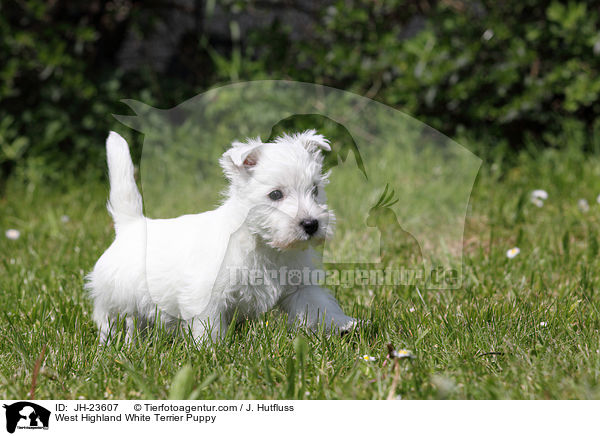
(483, 341)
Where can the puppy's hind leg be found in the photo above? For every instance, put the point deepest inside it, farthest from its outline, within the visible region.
(109, 326)
(105, 323)
(130, 328)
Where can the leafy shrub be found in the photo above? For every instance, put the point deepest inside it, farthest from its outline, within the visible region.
(511, 72)
(502, 69)
(54, 104)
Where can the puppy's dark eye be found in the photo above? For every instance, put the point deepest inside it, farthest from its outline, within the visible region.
(315, 191)
(276, 195)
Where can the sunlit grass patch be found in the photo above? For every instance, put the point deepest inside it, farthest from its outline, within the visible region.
(526, 327)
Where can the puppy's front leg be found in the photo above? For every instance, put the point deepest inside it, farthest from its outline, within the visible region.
(312, 305)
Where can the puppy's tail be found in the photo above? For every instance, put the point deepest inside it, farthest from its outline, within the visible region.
(125, 201)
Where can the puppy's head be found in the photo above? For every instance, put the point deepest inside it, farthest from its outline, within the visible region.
(281, 185)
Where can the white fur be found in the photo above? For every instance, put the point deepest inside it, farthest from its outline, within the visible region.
(179, 270)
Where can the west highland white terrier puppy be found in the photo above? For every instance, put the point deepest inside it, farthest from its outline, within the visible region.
(200, 272)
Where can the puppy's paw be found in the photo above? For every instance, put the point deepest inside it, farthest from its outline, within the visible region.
(352, 324)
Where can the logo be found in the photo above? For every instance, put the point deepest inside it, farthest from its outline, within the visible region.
(26, 415)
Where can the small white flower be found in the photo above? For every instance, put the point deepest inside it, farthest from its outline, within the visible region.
(538, 197)
(513, 252)
(539, 193)
(65, 219)
(543, 324)
(368, 358)
(598, 199)
(537, 202)
(13, 234)
(488, 34)
(402, 354)
(412, 309)
(583, 205)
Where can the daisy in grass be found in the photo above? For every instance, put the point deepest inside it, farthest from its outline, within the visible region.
(13, 234)
(513, 252)
(402, 354)
(583, 205)
(368, 358)
(538, 197)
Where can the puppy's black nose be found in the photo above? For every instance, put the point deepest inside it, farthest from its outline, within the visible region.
(310, 226)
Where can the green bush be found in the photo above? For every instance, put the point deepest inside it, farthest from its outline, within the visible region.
(54, 104)
(59, 83)
(511, 72)
(501, 69)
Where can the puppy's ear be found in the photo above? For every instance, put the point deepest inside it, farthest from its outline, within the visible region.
(313, 141)
(241, 156)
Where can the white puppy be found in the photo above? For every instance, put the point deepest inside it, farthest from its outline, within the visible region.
(200, 272)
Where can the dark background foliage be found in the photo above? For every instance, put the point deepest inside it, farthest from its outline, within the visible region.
(507, 73)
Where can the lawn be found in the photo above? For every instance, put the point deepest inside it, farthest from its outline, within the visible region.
(520, 328)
